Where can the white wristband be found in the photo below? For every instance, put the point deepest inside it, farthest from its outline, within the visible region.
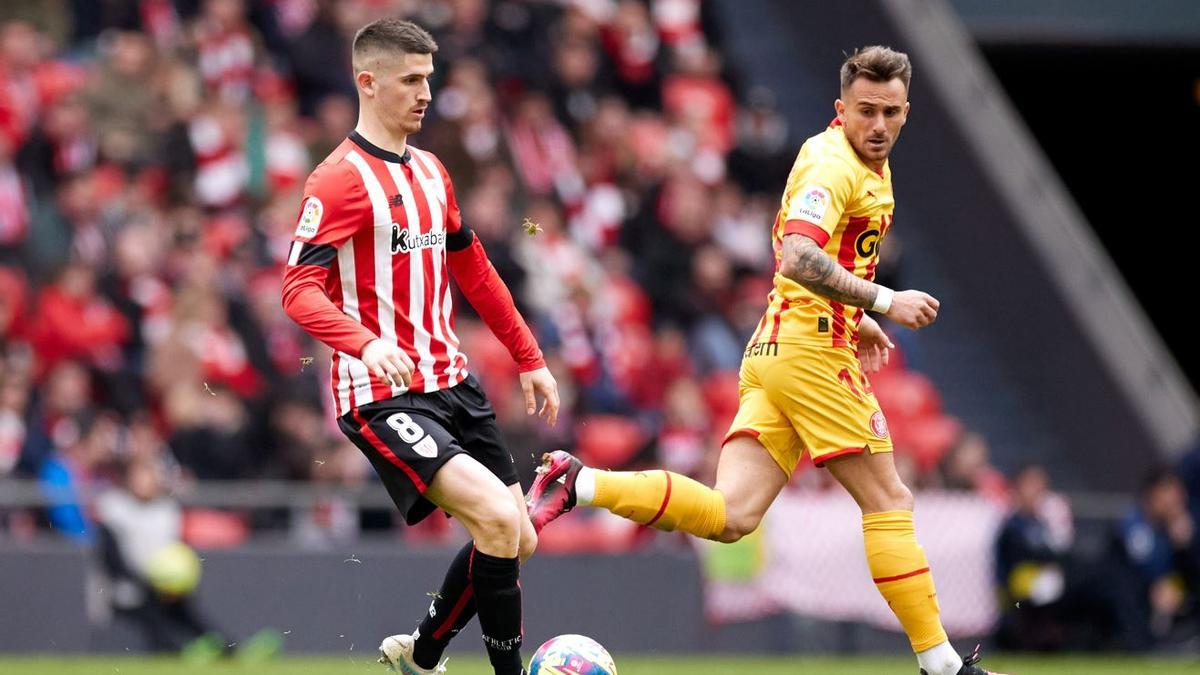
(883, 300)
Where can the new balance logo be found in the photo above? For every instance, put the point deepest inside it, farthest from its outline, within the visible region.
(396, 200)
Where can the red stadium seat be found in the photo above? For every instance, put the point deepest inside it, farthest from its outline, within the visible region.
(608, 441)
(926, 439)
(210, 528)
(721, 393)
(906, 395)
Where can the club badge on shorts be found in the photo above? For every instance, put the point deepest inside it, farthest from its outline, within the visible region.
(879, 425)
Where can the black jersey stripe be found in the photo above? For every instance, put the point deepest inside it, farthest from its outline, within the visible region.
(457, 241)
(321, 255)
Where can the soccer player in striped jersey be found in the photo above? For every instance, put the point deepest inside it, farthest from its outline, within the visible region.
(803, 386)
(378, 239)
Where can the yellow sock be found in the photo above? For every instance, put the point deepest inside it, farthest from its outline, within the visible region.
(663, 500)
(901, 573)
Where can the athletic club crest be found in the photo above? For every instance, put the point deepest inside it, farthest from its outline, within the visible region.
(879, 425)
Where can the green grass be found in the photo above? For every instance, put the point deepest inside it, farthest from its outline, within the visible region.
(691, 665)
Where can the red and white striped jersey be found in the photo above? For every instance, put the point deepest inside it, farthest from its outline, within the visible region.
(378, 238)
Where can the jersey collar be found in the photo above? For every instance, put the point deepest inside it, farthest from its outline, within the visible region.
(372, 149)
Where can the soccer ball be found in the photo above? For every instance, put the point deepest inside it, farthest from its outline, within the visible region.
(174, 569)
(571, 655)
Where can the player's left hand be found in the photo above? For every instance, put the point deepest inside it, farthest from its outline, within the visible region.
(540, 381)
(873, 345)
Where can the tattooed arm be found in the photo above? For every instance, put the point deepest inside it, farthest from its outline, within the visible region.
(808, 265)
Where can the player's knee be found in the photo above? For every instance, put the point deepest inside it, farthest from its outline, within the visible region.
(528, 543)
(501, 520)
(901, 498)
(738, 525)
(499, 523)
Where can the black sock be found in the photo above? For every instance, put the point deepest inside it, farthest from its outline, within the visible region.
(452, 609)
(498, 599)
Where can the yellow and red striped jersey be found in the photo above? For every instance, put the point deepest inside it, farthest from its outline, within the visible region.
(846, 207)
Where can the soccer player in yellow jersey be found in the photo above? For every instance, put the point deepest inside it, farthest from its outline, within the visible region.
(803, 387)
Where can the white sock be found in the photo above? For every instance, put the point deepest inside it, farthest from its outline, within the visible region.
(940, 659)
(585, 487)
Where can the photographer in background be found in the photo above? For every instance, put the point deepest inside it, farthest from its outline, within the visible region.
(1157, 547)
(153, 574)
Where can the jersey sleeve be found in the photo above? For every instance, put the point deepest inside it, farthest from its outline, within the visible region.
(823, 186)
(335, 206)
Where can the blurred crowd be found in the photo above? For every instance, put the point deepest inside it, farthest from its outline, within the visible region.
(152, 160)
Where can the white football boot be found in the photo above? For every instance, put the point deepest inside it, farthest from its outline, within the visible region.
(396, 652)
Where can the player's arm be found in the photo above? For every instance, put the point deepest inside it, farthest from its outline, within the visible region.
(824, 187)
(489, 295)
(806, 263)
(305, 302)
(821, 188)
(330, 214)
(482, 286)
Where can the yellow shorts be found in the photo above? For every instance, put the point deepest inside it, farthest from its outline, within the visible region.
(793, 397)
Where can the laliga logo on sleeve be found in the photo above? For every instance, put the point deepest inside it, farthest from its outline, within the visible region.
(814, 202)
(310, 218)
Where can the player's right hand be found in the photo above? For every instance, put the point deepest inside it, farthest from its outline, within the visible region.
(388, 362)
(913, 309)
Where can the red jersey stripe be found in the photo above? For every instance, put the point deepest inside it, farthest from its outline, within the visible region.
(443, 334)
(431, 212)
(379, 315)
(807, 229)
(372, 438)
(847, 254)
(424, 378)
(783, 307)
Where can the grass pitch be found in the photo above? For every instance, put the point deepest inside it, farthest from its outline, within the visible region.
(628, 665)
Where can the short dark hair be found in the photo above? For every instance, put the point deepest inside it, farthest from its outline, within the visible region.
(395, 35)
(877, 64)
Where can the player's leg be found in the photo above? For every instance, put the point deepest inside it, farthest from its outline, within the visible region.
(750, 475)
(474, 425)
(748, 480)
(529, 538)
(839, 419)
(897, 562)
(453, 607)
(423, 466)
(471, 493)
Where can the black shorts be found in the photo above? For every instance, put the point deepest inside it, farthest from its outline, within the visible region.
(410, 436)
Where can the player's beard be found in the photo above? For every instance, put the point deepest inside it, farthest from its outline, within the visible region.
(875, 152)
(410, 127)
